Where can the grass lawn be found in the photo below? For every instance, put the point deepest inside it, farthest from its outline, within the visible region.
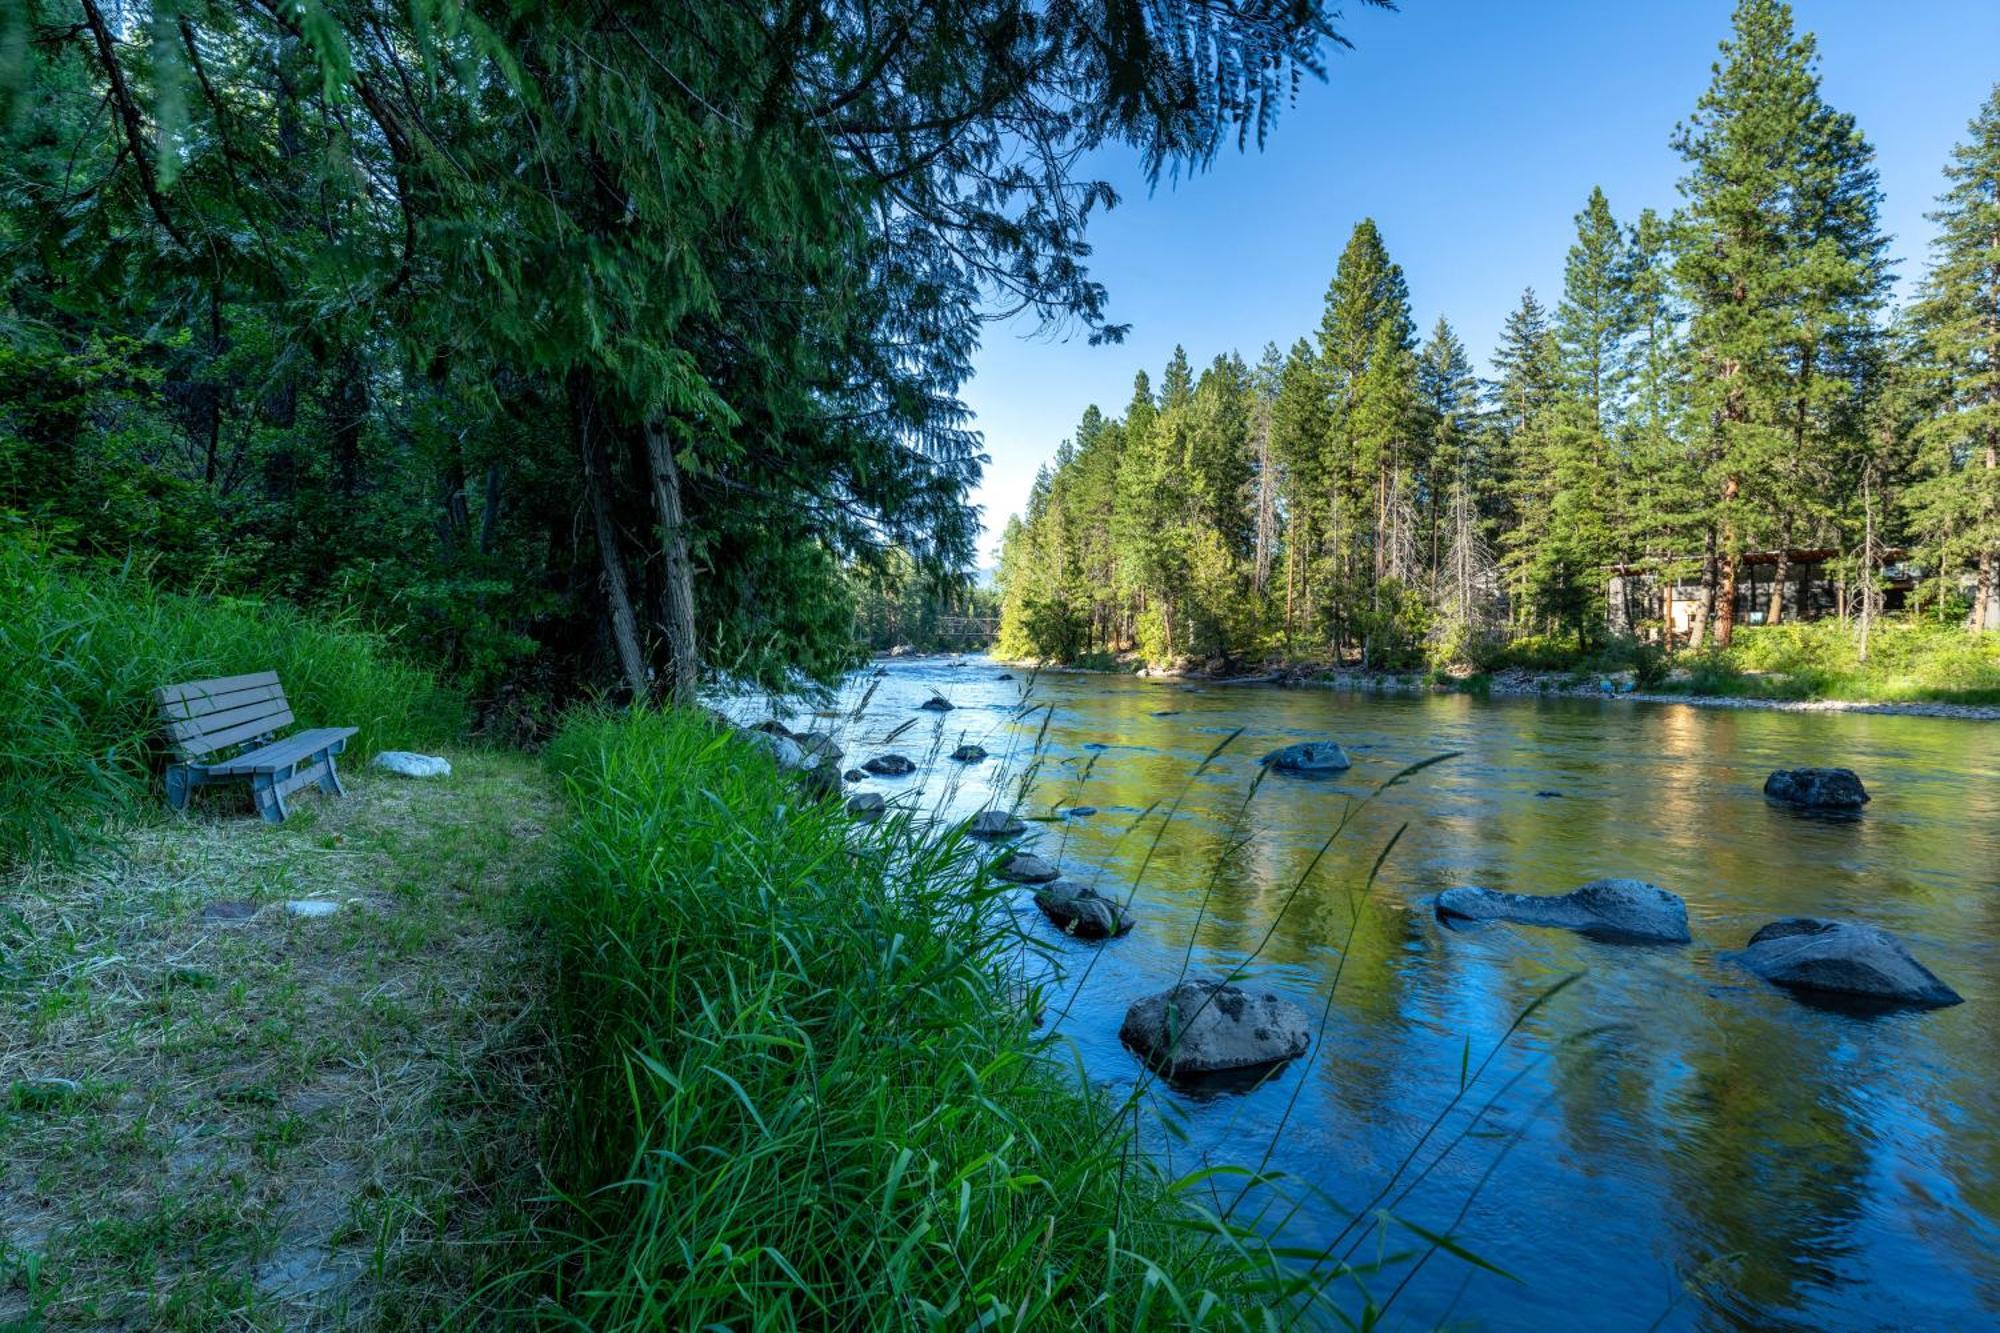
(219, 1114)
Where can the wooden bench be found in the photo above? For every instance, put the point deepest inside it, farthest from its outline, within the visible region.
(225, 730)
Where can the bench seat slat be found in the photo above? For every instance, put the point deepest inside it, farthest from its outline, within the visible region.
(209, 742)
(207, 705)
(220, 685)
(284, 753)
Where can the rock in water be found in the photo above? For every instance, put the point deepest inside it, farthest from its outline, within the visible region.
(1204, 1027)
(1004, 676)
(889, 766)
(413, 765)
(1816, 788)
(969, 754)
(783, 749)
(995, 824)
(937, 703)
(1026, 868)
(1843, 958)
(1308, 757)
(821, 747)
(867, 806)
(1082, 911)
(1081, 811)
(855, 775)
(1619, 909)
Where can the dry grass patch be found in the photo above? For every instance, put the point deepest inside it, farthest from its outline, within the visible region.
(267, 1120)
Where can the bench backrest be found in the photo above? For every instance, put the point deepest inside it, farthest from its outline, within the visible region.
(205, 716)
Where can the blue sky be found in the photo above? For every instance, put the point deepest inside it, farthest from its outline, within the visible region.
(1471, 131)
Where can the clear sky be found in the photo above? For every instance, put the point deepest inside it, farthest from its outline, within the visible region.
(1471, 131)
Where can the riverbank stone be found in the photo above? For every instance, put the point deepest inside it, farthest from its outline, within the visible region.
(995, 824)
(1207, 1027)
(969, 754)
(1026, 868)
(404, 763)
(889, 766)
(1816, 789)
(1614, 909)
(1849, 958)
(866, 806)
(1082, 911)
(1308, 757)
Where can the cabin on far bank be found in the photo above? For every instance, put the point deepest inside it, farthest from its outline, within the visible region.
(1811, 589)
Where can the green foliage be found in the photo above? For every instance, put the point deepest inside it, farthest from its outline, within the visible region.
(87, 645)
(801, 1089)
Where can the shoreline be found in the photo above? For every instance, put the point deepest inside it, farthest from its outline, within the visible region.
(1529, 685)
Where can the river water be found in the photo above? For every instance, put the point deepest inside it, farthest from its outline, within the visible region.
(1668, 1142)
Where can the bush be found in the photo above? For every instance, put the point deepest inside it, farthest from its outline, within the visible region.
(802, 1087)
(85, 646)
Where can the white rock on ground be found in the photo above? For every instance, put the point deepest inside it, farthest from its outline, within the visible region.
(411, 765)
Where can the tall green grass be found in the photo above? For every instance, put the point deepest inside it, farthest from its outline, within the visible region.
(803, 1088)
(82, 647)
(1910, 659)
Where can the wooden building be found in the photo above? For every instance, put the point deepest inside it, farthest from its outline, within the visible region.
(1811, 589)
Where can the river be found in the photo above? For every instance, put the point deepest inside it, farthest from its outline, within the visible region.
(1669, 1142)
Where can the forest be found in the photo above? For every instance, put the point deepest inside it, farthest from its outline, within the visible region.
(581, 347)
(1726, 380)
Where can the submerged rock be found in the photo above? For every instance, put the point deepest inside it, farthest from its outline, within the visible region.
(1622, 909)
(1026, 868)
(866, 806)
(995, 824)
(1165, 712)
(1843, 958)
(1308, 757)
(1204, 1027)
(1080, 811)
(1082, 911)
(969, 754)
(889, 766)
(1005, 675)
(937, 703)
(1816, 788)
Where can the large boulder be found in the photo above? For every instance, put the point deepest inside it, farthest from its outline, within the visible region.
(1308, 757)
(1082, 911)
(1026, 868)
(783, 749)
(1205, 1027)
(1843, 958)
(995, 824)
(866, 806)
(1816, 789)
(1617, 909)
(889, 766)
(969, 753)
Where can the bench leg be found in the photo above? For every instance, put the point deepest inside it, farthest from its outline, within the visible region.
(270, 801)
(330, 781)
(180, 785)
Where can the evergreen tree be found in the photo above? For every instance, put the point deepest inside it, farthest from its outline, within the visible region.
(1956, 502)
(1595, 314)
(1782, 260)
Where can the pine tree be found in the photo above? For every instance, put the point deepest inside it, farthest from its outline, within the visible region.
(1956, 503)
(1595, 314)
(1782, 259)
(1528, 369)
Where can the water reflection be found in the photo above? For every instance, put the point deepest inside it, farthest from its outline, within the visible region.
(1675, 1141)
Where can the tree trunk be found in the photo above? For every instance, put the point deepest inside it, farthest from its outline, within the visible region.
(677, 597)
(1779, 578)
(618, 593)
(1704, 606)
